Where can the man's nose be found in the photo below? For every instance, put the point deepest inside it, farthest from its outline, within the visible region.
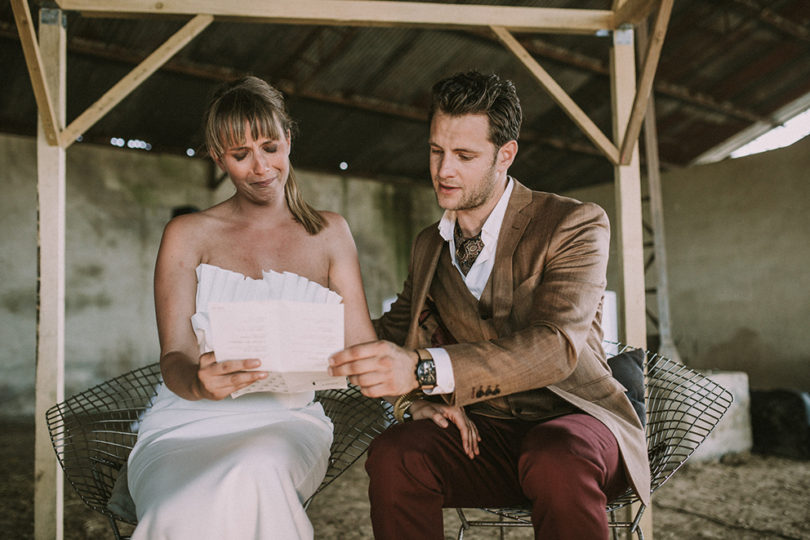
(447, 167)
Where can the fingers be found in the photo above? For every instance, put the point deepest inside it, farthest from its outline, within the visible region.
(233, 366)
(467, 429)
(443, 415)
(380, 368)
(217, 380)
(351, 354)
(439, 419)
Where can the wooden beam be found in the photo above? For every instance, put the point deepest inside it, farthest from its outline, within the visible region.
(33, 59)
(631, 12)
(363, 13)
(645, 85)
(543, 49)
(768, 16)
(134, 78)
(589, 128)
(50, 366)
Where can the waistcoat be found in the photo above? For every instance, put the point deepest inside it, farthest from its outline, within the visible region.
(464, 319)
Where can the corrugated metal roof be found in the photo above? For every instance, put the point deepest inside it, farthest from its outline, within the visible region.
(360, 94)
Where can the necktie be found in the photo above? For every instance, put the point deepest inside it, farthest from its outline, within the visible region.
(467, 249)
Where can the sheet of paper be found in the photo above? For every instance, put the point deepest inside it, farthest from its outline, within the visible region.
(293, 340)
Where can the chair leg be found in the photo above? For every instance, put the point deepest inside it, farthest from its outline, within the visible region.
(637, 521)
(464, 525)
(115, 529)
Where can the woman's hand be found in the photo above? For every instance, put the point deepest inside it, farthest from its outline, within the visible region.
(218, 380)
(442, 414)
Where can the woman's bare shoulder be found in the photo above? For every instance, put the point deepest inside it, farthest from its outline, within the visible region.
(336, 238)
(192, 233)
(335, 223)
(336, 232)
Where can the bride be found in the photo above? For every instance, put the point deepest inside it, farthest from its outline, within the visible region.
(207, 465)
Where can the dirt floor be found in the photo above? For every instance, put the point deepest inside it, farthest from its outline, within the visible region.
(742, 497)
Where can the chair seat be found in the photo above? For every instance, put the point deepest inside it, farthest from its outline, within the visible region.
(94, 431)
(682, 409)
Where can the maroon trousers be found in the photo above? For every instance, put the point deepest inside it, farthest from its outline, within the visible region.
(567, 468)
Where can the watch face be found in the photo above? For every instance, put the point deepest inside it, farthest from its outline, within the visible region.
(426, 373)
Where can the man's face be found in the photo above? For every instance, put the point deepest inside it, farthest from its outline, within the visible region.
(463, 161)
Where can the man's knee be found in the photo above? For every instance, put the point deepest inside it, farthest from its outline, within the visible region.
(416, 448)
(394, 448)
(571, 454)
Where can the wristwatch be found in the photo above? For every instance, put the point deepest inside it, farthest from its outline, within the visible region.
(425, 370)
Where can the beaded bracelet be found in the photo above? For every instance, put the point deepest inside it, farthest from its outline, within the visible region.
(403, 403)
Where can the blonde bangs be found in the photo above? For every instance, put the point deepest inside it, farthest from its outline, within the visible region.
(226, 123)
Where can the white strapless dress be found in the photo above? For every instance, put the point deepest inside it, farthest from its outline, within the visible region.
(237, 468)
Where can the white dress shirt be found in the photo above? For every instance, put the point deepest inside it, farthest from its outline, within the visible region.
(476, 279)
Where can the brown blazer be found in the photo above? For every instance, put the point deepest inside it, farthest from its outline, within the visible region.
(547, 287)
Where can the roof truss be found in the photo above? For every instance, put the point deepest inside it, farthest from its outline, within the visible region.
(501, 20)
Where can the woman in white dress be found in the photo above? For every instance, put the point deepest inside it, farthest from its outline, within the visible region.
(207, 465)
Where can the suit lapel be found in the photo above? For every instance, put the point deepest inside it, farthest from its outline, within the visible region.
(427, 257)
(514, 224)
(424, 268)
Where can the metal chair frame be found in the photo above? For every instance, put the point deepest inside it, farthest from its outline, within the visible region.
(94, 431)
(683, 408)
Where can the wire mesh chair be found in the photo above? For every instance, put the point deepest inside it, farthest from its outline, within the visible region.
(683, 407)
(94, 431)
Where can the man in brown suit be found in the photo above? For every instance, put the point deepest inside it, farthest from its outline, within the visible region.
(494, 345)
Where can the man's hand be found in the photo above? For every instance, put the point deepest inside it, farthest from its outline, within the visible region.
(218, 380)
(379, 368)
(442, 414)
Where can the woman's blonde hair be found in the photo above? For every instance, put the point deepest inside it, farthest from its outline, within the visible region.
(251, 101)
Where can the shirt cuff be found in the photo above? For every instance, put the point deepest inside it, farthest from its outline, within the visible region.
(445, 381)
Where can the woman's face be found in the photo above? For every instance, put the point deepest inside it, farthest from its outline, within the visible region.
(258, 167)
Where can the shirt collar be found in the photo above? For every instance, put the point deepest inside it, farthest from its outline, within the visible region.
(492, 226)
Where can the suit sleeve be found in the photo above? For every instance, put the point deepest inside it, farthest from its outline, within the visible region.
(553, 312)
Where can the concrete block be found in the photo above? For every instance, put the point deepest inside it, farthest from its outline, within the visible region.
(733, 433)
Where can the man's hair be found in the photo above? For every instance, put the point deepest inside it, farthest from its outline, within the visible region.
(475, 93)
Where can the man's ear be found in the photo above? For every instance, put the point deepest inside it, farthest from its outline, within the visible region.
(506, 155)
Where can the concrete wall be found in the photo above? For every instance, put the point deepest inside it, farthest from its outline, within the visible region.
(737, 236)
(118, 202)
(738, 249)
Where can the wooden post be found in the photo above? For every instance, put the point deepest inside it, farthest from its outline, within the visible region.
(667, 346)
(48, 478)
(628, 227)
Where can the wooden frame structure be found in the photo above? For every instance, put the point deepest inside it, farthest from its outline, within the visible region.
(45, 55)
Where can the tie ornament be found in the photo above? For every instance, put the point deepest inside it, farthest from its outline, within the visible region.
(467, 249)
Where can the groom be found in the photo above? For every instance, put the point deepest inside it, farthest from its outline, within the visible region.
(493, 348)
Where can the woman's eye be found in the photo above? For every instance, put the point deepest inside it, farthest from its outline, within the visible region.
(271, 149)
(239, 156)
